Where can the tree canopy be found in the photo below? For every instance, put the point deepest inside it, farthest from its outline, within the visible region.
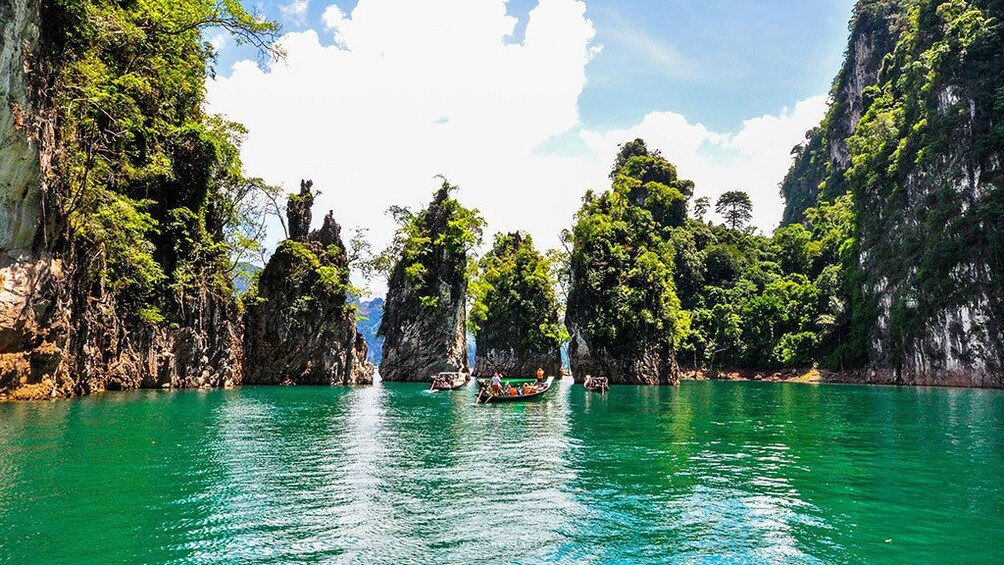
(514, 305)
(736, 207)
(146, 186)
(621, 266)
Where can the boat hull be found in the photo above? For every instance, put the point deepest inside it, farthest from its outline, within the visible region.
(501, 399)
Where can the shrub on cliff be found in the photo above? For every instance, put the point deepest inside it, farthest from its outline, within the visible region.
(514, 306)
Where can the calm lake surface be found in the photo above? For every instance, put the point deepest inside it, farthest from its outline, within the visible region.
(717, 472)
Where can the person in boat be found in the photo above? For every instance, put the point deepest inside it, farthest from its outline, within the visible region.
(588, 381)
(497, 383)
(540, 375)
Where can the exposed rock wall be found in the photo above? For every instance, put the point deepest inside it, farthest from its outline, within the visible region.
(20, 194)
(300, 330)
(936, 276)
(820, 163)
(423, 338)
(62, 332)
(649, 363)
(57, 341)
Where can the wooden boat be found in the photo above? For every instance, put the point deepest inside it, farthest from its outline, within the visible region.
(485, 395)
(487, 381)
(598, 384)
(448, 381)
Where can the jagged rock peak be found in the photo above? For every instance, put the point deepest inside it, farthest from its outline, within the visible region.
(330, 232)
(425, 319)
(300, 328)
(298, 211)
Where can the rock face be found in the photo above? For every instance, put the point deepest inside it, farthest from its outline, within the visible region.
(424, 320)
(57, 340)
(298, 213)
(825, 157)
(62, 332)
(20, 194)
(650, 363)
(300, 329)
(918, 145)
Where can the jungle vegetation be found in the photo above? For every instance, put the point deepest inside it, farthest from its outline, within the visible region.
(514, 301)
(147, 190)
(725, 295)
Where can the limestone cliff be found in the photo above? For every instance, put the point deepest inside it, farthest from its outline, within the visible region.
(425, 313)
(820, 163)
(111, 274)
(300, 328)
(924, 166)
(623, 311)
(515, 312)
(20, 194)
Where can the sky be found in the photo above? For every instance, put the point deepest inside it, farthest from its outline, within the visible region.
(522, 103)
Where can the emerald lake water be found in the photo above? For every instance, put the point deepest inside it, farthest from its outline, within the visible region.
(719, 472)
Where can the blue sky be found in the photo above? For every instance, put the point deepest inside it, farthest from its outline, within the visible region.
(523, 103)
(715, 61)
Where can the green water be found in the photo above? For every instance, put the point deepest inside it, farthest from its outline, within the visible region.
(708, 472)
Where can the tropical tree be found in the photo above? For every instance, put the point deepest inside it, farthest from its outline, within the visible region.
(735, 206)
(701, 206)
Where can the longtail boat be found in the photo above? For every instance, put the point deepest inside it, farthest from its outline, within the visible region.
(485, 395)
(448, 381)
(598, 384)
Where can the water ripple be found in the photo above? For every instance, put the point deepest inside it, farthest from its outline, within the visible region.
(709, 472)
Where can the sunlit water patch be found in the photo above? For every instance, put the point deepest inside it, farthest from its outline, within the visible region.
(707, 472)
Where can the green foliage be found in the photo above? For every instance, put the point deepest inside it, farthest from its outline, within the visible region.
(736, 207)
(763, 303)
(430, 247)
(146, 186)
(514, 302)
(719, 294)
(314, 272)
(621, 264)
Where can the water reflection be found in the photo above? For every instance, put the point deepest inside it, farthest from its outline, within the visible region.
(735, 472)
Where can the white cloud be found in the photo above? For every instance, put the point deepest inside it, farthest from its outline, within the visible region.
(295, 11)
(219, 41)
(406, 94)
(753, 159)
(333, 17)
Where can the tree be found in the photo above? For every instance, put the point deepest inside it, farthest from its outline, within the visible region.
(735, 206)
(636, 148)
(514, 304)
(701, 206)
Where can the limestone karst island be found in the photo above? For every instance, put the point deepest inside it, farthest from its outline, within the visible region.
(502, 281)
